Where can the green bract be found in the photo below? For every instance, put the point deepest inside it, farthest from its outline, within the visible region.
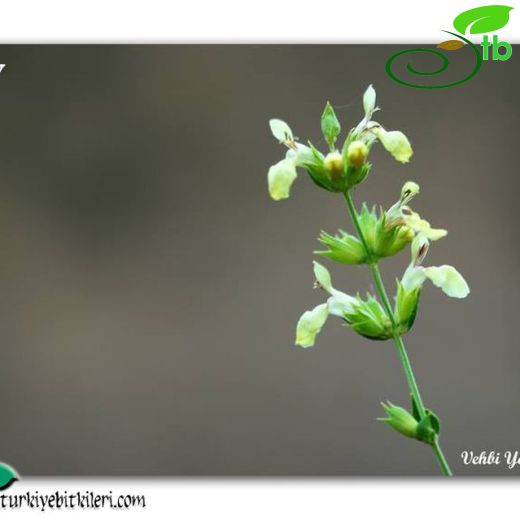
(368, 318)
(406, 304)
(344, 248)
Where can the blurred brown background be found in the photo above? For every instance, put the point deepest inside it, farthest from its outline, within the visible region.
(150, 288)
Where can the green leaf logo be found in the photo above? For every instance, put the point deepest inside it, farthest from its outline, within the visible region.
(483, 19)
(7, 476)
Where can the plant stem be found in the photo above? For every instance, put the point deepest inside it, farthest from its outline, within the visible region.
(398, 340)
(443, 463)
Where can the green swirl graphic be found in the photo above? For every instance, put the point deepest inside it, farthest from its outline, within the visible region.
(441, 68)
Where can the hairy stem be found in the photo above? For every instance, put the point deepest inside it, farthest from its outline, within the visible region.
(398, 340)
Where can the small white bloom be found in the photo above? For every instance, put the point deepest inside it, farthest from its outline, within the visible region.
(282, 174)
(338, 304)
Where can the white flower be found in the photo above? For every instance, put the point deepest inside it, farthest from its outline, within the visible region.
(368, 130)
(401, 215)
(282, 174)
(338, 304)
(445, 276)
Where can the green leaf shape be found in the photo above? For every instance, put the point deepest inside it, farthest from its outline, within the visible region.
(343, 248)
(7, 476)
(381, 240)
(330, 125)
(369, 319)
(483, 19)
(428, 428)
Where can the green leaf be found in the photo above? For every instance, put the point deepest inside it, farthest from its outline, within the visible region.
(330, 125)
(434, 421)
(428, 428)
(7, 476)
(483, 19)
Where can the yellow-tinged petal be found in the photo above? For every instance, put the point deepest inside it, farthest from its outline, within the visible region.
(396, 143)
(280, 178)
(448, 279)
(310, 324)
(322, 276)
(419, 225)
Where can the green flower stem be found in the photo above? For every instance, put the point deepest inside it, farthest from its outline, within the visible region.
(398, 340)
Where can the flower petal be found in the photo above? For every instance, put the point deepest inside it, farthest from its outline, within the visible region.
(448, 279)
(281, 130)
(369, 101)
(310, 324)
(280, 178)
(396, 143)
(301, 154)
(340, 304)
(413, 277)
(419, 225)
(419, 247)
(322, 276)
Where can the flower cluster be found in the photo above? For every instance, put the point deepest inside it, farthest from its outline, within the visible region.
(338, 170)
(383, 233)
(379, 234)
(367, 317)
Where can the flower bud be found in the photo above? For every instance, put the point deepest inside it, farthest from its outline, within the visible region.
(334, 163)
(357, 153)
(400, 420)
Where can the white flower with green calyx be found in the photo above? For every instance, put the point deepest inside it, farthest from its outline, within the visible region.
(394, 141)
(446, 277)
(402, 215)
(282, 174)
(338, 304)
